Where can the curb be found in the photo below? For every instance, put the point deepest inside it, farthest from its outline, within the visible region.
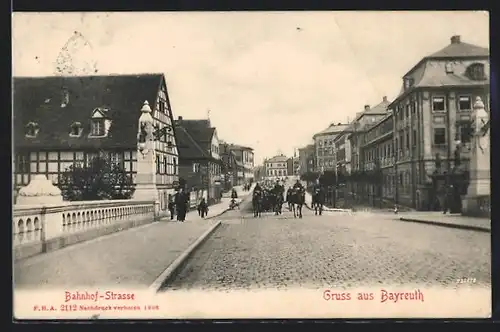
(329, 209)
(173, 268)
(457, 226)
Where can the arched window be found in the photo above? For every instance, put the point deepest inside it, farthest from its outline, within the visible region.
(476, 72)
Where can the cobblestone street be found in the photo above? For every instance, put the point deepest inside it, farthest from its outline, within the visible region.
(334, 250)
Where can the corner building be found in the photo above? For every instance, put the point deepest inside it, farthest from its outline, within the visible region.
(432, 119)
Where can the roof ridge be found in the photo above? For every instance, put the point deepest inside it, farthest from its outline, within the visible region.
(89, 75)
(193, 141)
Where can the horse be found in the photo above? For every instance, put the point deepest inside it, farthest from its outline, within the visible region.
(278, 203)
(257, 203)
(298, 199)
(318, 199)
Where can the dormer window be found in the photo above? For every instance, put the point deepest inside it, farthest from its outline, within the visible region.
(97, 127)
(32, 129)
(449, 68)
(98, 122)
(476, 72)
(408, 82)
(76, 129)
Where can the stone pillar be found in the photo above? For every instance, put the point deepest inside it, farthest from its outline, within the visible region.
(479, 170)
(145, 184)
(40, 191)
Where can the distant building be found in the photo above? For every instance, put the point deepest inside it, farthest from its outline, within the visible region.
(325, 154)
(306, 159)
(200, 162)
(276, 167)
(245, 155)
(233, 170)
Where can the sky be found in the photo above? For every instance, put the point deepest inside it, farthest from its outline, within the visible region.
(271, 80)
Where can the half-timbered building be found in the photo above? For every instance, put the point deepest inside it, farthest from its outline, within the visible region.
(60, 121)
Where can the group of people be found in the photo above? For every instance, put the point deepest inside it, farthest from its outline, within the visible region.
(267, 198)
(178, 206)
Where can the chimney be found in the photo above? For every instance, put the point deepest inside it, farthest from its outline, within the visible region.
(367, 107)
(179, 118)
(384, 99)
(455, 39)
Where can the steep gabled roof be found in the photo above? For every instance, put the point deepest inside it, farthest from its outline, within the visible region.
(239, 147)
(200, 130)
(187, 146)
(38, 99)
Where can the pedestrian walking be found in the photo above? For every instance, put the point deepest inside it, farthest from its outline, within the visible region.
(171, 206)
(181, 205)
(203, 208)
(447, 199)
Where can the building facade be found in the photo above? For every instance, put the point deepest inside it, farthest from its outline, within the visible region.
(276, 167)
(325, 154)
(244, 155)
(200, 158)
(306, 159)
(62, 121)
(432, 119)
(233, 170)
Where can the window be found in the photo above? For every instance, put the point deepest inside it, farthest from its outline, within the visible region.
(97, 127)
(407, 140)
(196, 167)
(157, 164)
(175, 166)
(464, 103)
(449, 68)
(439, 136)
(414, 138)
(165, 165)
(438, 104)
(76, 129)
(32, 129)
(22, 163)
(407, 111)
(464, 132)
(476, 72)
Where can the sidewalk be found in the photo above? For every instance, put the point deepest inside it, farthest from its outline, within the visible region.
(132, 258)
(448, 220)
(327, 209)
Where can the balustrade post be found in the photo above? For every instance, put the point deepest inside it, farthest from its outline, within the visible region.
(43, 223)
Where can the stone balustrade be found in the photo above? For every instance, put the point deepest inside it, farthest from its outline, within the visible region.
(43, 228)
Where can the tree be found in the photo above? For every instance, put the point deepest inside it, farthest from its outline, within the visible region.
(309, 176)
(100, 179)
(328, 178)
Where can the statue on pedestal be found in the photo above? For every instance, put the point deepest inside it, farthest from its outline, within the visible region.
(146, 158)
(145, 133)
(480, 178)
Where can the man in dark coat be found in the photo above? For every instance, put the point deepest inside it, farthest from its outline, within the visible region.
(298, 185)
(448, 199)
(181, 204)
(203, 208)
